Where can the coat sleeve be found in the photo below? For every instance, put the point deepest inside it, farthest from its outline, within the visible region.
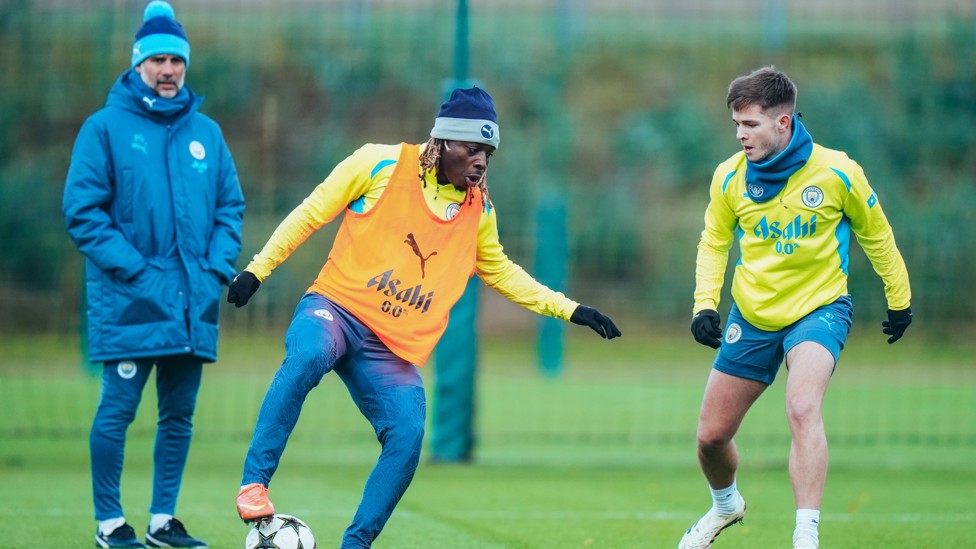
(225, 240)
(87, 206)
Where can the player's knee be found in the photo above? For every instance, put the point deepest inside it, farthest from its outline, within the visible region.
(710, 440)
(407, 437)
(409, 429)
(113, 414)
(406, 417)
(802, 410)
(176, 422)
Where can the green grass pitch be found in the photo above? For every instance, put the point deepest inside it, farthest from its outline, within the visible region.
(601, 457)
(485, 506)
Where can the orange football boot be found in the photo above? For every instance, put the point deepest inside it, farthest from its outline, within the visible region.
(253, 503)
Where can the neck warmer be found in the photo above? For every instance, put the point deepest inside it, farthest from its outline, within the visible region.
(141, 97)
(765, 180)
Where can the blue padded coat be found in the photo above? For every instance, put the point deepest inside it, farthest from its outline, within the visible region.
(153, 202)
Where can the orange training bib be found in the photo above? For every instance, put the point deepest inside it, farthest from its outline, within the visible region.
(398, 267)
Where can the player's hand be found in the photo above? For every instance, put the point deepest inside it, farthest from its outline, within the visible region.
(896, 324)
(242, 288)
(705, 328)
(601, 324)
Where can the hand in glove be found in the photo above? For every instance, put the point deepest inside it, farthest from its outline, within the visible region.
(601, 324)
(897, 323)
(242, 288)
(705, 328)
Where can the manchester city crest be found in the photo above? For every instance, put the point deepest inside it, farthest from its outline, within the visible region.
(452, 210)
(127, 369)
(733, 333)
(812, 197)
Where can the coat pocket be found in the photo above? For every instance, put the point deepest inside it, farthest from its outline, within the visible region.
(149, 297)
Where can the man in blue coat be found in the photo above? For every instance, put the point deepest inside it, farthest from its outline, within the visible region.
(153, 202)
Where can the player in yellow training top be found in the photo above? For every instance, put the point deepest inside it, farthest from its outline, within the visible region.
(792, 206)
(417, 224)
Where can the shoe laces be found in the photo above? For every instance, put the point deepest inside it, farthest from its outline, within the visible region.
(122, 532)
(174, 525)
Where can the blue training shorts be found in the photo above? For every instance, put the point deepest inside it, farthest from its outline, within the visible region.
(752, 353)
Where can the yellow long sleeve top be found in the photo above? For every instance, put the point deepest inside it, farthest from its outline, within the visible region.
(794, 248)
(357, 183)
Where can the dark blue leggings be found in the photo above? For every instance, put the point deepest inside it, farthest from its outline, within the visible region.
(388, 390)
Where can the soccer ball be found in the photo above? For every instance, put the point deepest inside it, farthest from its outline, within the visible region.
(280, 532)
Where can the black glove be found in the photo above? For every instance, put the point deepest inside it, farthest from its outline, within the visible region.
(601, 324)
(242, 288)
(896, 324)
(705, 328)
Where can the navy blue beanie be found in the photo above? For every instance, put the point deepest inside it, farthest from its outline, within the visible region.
(160, 33)
(469, 115)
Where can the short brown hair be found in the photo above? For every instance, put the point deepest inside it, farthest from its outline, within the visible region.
(767, 87)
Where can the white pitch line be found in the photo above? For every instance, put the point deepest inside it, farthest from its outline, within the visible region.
(647, 516)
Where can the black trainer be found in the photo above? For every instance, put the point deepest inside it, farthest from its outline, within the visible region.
(123, 536)
(173, 534)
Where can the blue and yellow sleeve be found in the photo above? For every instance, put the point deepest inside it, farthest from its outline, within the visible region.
(876, 238)
(510, 280)
(716, 240)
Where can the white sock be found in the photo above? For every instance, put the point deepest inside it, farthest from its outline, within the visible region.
(723, 499)
(807, 521)
(106, 527)
(158, 521)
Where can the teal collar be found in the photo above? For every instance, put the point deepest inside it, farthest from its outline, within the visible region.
(767, 179)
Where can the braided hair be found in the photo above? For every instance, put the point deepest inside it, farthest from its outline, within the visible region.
(430, 160)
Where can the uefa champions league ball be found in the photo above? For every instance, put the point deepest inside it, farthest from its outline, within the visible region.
(280, 532)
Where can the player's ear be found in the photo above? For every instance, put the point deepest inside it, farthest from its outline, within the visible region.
(785, 122)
